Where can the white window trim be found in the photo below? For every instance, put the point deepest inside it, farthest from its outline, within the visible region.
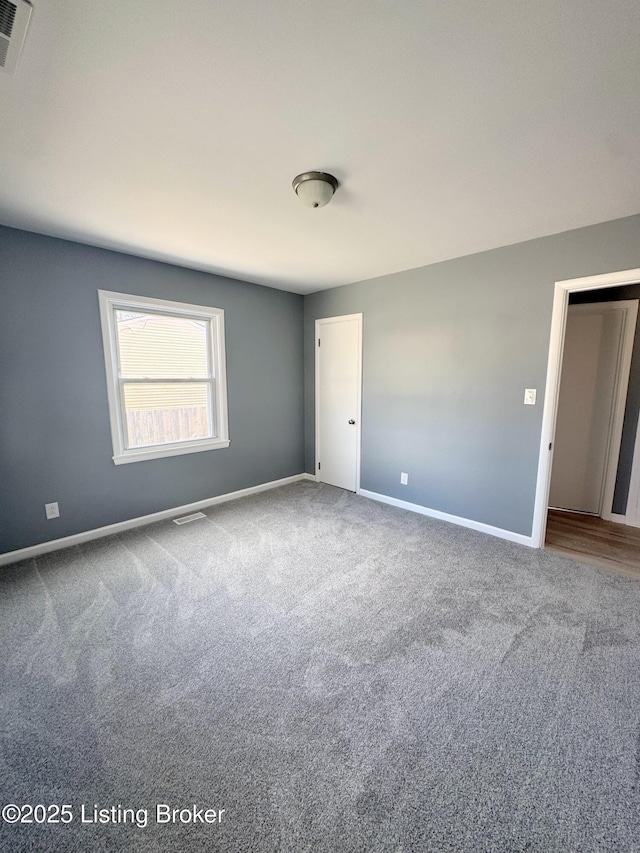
(109, 302)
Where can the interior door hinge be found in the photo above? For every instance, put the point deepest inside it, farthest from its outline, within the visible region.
(318, 466)
(318, 341)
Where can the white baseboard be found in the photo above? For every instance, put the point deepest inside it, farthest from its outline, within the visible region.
(99, 532)
(520, 538)
(629, 520)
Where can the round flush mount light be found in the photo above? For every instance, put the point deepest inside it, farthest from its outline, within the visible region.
(315, 189)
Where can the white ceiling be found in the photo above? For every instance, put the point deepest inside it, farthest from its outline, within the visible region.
(173, 130)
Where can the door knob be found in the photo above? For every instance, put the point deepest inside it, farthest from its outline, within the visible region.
(352, 421)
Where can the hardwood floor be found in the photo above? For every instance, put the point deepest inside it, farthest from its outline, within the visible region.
(591, 540)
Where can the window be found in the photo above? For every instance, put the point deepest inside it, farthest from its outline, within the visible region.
(165, 376)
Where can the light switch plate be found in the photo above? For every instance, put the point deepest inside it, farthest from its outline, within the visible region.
(529, 396)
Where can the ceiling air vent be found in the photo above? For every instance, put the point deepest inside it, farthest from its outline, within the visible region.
(14, 20)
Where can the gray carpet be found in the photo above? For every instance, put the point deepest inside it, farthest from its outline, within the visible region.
(338, 675)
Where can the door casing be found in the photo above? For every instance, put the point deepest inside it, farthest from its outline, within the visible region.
(554, 367)
(633, 502)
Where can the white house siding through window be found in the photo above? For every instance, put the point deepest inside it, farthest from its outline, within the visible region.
(153, 348)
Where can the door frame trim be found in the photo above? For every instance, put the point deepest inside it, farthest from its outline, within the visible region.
(616, 423)
(633, 501)
(562, 290)
(318, 325)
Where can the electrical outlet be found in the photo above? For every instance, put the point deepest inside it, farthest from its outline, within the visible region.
(404, 479)
(529, 396)
(52, 510)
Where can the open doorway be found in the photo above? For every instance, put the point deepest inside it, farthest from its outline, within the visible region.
(596, 362)
(590, 423)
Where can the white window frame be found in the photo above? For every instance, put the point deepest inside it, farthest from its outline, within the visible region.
(109, 303)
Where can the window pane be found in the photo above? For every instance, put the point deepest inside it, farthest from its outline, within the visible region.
(161, 346)
(162, 413)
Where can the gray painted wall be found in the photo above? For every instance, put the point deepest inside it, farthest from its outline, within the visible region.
(448, 351)
(632, 408)
(55, 443)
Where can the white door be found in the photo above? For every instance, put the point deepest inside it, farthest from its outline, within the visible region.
(586, 407)
(338, 382)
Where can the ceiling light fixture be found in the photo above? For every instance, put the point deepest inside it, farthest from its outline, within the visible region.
(315, 189)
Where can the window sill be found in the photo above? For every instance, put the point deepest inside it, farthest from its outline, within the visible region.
(145, 453)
